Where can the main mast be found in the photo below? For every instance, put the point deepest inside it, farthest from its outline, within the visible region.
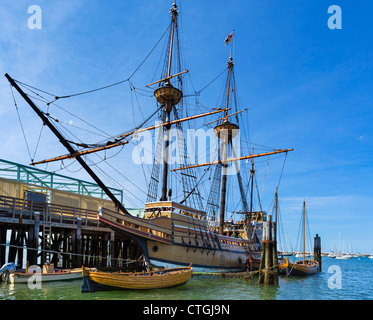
(168, 96)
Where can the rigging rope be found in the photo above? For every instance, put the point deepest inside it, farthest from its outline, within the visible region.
(117, 83)
(81, 144)
(217, 77)
(265, 176)
(20, 121)
(196, 185)
(133, 116)
(37, 144)
(44, 100)
(282, 171)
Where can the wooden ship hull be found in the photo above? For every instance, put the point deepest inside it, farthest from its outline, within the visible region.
(207, 260)
(178, 239)
(94, 280)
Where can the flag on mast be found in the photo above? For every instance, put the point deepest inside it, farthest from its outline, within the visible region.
(229, 38)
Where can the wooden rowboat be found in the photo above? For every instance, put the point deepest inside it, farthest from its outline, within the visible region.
(48, 274)
(300, 268)
(95, 280)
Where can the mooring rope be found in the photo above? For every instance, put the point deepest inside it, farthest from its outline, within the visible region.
(72, 254)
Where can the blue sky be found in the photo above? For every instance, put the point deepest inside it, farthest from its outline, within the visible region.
(307, 87)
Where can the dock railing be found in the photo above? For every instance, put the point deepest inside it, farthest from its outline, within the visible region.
(16, 208)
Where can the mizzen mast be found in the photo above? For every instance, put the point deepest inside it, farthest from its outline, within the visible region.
(225, 132)
(230, 68)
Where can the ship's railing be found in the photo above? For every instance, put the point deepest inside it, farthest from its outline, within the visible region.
(162, 229)
(154, 208)
(158, 228)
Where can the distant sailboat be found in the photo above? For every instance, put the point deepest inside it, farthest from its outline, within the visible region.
(303, 267)
(344, 256)
(332, 253)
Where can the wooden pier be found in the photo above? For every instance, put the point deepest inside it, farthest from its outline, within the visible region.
(66, 236)
(268, 270)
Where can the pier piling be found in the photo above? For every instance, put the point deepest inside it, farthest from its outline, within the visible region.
(78, 243)
(112, 248)
(317, 250)
(3, 231)
(68, 237)
(268, 271)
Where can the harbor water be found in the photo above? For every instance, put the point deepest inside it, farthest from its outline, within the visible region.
(339, 280)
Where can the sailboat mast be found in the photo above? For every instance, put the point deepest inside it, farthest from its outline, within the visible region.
(168, 108)
(304, 230)
(174, 15)
(230, 67)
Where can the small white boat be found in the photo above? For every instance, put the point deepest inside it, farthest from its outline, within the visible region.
(371, 256)
(48, 274)
(73, 274)
(344, 256)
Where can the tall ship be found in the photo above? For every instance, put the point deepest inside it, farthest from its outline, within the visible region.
(176, 231)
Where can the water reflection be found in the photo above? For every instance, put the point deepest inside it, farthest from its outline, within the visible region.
(268, 292)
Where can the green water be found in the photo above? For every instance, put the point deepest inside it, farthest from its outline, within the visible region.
(356, 283)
